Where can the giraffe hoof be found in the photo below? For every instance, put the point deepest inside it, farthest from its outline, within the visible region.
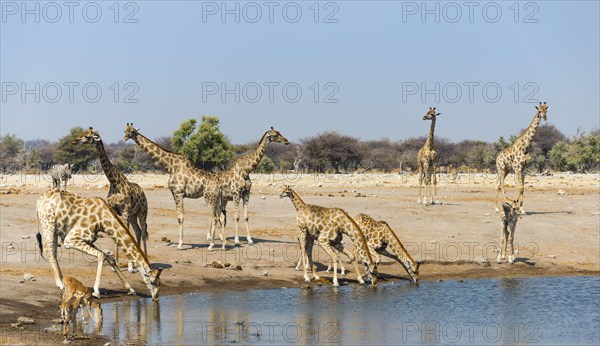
(335, 284)
(180, 247)
(211, 247)
(250, 242)
(132, 292)
(96, 294)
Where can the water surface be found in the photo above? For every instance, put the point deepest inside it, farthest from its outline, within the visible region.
(540, 311)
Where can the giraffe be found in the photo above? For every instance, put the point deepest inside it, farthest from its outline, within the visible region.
(77, 220)
(126, 198)
(508, 217)
(380, 237)
(426, 161)
(516, 157)
(185, 181)
(328, 226)
(237, 183)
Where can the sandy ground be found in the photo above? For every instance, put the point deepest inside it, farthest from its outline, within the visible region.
(560, 235)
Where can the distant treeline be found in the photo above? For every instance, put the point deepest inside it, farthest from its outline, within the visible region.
(326, 152)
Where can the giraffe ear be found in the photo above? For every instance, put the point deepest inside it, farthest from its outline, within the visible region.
(536, 107)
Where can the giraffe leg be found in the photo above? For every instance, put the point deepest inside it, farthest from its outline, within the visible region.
(503, 239)
(426, 178)
(305, 256)
(138, 237)
(420, 183)
(236, 217)
(142, 217)
(435, 199)
(211, 234)
(352, 258)
(179, 206)
(324, 243)
(511, 244)
(520, 198)
(50, 253)
(502, 173)
(245, 201)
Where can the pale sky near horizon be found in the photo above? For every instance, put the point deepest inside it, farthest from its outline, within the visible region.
(366, 69)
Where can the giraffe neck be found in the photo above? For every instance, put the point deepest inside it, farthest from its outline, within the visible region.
(114, 228)
(525, 140)
(112, 173)
(163, 157)
(296, 200)
(429, 143)
(357, 237)
(247, 166)
(398, 249)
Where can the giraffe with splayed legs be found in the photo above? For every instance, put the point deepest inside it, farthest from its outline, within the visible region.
(327, 226)
(237, 184)
(381, 238)
(516, 157)
(427, 160)
(77, 220)
(126, 198)
(185, 181)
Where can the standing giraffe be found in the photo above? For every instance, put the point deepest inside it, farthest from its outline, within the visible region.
(185, 181)
(426, 160)
(380, 237)
(516, 157)
(77, 220)
(236, 180)
(327, 226)
(126, 198)
(508, 218)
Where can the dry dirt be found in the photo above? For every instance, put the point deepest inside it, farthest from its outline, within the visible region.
(560, 235)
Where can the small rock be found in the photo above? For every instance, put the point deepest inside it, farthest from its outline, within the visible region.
(26, 236)
(320, 185)
(486, 221)
(596, 213)
(165, 239)
(306, 287)
(57, 321)
(440, 280)
(265, 273)
(551, 256)
(10, 247)
(561, 192)
(28, 277)
(460, 280)
(53, 328)
(21, 281)
(433, 242)
(263, 197)
(16, 325)
(238, 267)
(25, 320)
(487, 214)
(227, 264)
(217, 265)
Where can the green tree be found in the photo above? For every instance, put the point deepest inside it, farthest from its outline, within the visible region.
(207, 148)
(585, 152)
(11, 149)
(34, 159)
(79, 156)
(559, 157)
(265, 165)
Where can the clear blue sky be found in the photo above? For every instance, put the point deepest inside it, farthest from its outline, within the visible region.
(374, 55)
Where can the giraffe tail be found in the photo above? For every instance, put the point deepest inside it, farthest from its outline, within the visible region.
(38, 236)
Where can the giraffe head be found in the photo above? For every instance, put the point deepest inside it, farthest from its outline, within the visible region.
(152, 281)
(287, 192)
(274, 136)
(88, 136)
(130, 132)
(542, 109)
(431, 114)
